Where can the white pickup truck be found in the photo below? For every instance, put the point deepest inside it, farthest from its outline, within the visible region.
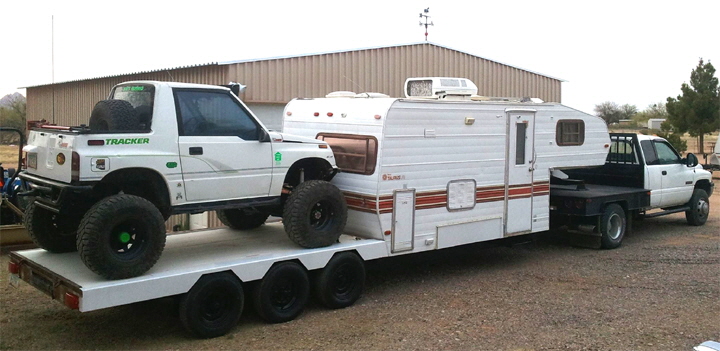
(156, 148)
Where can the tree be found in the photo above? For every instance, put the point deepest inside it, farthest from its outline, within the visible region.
(697, 109)
(13, 116)
(654, 111)
(627, 111)
(613, 113)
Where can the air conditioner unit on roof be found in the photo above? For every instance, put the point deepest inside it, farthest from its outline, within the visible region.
(439, 86)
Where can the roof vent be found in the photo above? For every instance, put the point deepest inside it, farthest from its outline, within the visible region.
(341, 94)
(435, 87)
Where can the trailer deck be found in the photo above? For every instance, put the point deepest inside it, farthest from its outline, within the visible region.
(187, 257)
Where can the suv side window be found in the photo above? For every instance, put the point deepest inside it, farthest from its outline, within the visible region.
(213, 113)
(666, 154)
(649, 152)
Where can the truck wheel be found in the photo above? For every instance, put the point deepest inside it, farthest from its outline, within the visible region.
(213, 306)
(282, 294)
(315, 214)
(341, 282)
(121, 236)
(612, 226)
(49, 231)
(113, 115)
(699, 208)
(242, 218)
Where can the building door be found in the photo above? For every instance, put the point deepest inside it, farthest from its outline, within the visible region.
(520, 164)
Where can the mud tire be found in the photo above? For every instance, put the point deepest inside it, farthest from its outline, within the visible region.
(113, 115)
(315, 214)
(49, 230)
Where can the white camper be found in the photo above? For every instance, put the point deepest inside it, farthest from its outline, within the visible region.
(445, 170)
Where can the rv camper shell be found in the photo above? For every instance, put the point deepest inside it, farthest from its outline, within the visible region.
(436, 173)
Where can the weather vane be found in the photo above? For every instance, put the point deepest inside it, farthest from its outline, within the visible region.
(426, 24)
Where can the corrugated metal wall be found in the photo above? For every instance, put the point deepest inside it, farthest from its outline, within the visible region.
(383, 70)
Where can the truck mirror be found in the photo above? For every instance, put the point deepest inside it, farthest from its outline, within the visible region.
(263, 136)
(691, 160)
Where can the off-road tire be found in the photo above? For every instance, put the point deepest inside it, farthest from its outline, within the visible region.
(314, 214)
(113, 115)
(283, 293)
(341, 282)
(121, 236)
(213, 305)
(49, 230)
(242, 218)
(699, 208)
(612, 226)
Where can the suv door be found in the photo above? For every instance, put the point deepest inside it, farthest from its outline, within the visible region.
(668, 176)
(221, 156)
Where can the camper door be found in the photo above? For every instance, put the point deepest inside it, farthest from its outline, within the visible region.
(520, 164)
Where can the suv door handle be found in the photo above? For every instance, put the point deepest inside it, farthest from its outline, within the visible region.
(663, 172)
(197, 150)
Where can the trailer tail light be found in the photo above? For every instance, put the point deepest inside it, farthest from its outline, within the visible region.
(316, 114)
(378, 116)
(96, 142)
(75, 167)
(329, 114)
(72, 301)
(288, 113)
(13, 267)
(387, 232)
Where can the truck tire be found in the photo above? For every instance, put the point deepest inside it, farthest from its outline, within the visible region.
(612, 226)
(699, 208)
(242, 218)
(113, 115)
(49, 231)
(121, 236)
(341, 282)
(315, 214)
(213, 305)
(282, 294)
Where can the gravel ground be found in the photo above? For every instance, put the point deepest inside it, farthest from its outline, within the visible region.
(659, 291)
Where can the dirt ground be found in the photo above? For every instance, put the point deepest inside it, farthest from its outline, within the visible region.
(659, 291)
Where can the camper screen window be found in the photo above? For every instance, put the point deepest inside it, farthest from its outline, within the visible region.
(353, 153)
(570, 132)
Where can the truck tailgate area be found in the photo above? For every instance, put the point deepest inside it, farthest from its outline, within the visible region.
(187, 256)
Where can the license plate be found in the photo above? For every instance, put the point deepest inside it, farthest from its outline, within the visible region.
(32, 160)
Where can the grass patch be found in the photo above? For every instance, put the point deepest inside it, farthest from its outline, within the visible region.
(9, 155)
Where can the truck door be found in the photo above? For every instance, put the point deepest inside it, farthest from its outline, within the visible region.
(520, 164)
(220, 155)
(669, 179)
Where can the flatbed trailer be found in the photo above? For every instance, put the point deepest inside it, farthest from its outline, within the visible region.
(190, 258)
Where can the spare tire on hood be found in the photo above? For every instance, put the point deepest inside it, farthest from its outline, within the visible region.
(114, 115)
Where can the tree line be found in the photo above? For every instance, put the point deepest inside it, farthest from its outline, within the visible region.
(13, 116)
(695, 111)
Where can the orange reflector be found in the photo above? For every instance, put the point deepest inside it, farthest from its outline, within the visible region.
(387, 232)
(316, 114)
(60, 159)
(72, 301)
(607, 145)
(13, 267)
(330, 114)
(322, 146)
(377, 117)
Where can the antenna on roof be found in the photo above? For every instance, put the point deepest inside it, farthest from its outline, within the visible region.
(426, 24)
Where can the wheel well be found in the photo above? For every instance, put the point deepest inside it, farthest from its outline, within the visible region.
(142, 182)
(312, 169)
(704, 184)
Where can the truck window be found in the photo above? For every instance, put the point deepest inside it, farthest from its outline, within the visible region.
(140, 96)
(353, 153)
(212, 113)
(621, 151)
(666, 154)
(570, 132)
(649, 152)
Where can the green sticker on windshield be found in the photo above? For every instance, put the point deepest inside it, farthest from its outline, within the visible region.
(133, 88)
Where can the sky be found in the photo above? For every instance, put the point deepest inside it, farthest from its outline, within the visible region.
(634, 52)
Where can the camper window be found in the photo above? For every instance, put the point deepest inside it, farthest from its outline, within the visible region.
(570, 132)
(353, 153)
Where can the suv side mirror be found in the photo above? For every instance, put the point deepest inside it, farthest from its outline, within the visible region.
(691, 160)
(263, 135)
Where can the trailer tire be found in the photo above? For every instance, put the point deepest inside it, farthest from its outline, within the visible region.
(612, 226)
(342, 281)
(241, 218)
(699, 208)
(49, 231)
(121, 236)
(315, 214)
(213, 305)
(113, 115)
(283, 293)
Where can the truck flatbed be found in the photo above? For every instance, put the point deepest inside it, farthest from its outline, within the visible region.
(591, 198)
(187, 257)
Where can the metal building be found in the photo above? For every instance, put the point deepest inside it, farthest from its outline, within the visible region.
(275, 81)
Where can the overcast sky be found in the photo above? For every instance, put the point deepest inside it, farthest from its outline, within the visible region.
(636, 52)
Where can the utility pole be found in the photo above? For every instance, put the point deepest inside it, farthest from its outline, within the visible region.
(426, 24)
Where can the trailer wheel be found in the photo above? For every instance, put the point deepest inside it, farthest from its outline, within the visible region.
(213, 306)
(341, 282)
(249, 218)
(113, 115)
(315, 214)
(282, 294)
(121, 236)
(49, 230)
(699, 208)
(612, 226)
